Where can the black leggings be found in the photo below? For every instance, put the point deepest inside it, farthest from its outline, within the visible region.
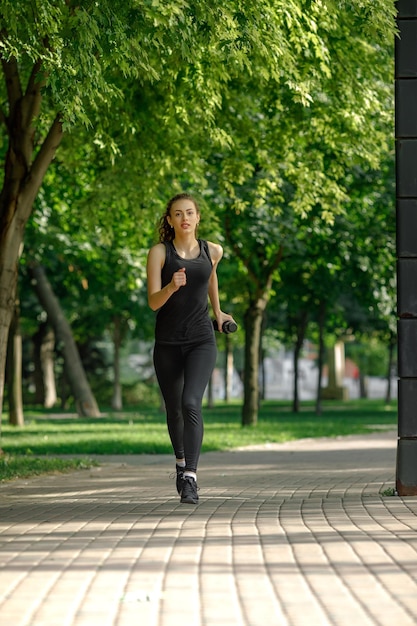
(183, 373)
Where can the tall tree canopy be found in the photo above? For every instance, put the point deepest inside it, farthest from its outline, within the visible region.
(67, 62)
(123, 68)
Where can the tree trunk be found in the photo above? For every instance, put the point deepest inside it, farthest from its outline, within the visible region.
(14, 372)
(391, 347)
(37, 339)
(253, 327)
(262, 369)
(10, 241)
(295, 398)
(320, 364)
(301, 331)
(117, 402)
(363, 385)
(48, 369)
(64, 391)
(44, 376)
(23, 175)
(80, 388)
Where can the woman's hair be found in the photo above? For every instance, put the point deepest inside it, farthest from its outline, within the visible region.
(166, 232)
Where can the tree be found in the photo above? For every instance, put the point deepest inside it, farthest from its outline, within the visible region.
(49, 78)
(85, 401)
(342, 275)
(14, 372)
(249, 240)
(44, 360)
(65, 63)
(294, 137)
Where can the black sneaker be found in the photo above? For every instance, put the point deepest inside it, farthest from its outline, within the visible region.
(180, 478)
(189, 493)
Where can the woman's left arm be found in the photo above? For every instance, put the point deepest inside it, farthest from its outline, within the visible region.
(216, 253)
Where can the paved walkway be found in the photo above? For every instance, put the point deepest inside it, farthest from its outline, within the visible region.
(292, 534)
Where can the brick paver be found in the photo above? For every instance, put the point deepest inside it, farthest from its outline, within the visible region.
(296, 534)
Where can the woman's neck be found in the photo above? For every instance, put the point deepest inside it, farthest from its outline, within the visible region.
(186, 247)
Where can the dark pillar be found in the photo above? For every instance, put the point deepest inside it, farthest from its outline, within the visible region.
(406, 172)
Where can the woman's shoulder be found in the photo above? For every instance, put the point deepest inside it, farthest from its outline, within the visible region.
(158, 251)
(158, 247)
(216, 251)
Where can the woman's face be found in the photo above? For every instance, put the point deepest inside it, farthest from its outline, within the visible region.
(183, 216)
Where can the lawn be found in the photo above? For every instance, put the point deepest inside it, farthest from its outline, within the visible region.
(47, 435)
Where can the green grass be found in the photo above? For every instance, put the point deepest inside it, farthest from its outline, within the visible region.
(144, 431)
(23, 466)
(277, 423)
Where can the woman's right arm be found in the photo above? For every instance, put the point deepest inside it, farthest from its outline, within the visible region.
(157, 296)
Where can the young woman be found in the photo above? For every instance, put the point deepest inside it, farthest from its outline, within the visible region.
(181, 273)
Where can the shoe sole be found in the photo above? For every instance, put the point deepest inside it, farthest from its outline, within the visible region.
(188, 501)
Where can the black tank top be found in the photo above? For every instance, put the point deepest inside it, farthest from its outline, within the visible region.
(184, 318)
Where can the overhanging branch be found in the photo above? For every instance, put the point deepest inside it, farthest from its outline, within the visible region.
(40, 165)
(33, 94)
(12, 80)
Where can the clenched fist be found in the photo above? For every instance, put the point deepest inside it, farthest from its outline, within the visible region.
(179, 279)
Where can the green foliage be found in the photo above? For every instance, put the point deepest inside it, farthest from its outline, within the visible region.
(138, 393)
(141, 394)
(370, 355)
(279, 114)
(347, 267)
